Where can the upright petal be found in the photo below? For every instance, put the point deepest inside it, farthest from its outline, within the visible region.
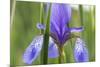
(80, 51)
(60, 17)
(33, 50)
(60, 13)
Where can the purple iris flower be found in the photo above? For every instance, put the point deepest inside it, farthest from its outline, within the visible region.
(80, 51)
(59, 23)
(59, 31)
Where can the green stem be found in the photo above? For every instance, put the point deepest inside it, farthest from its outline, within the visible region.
(92, 15)
(81, 17)
(12, 11)
(46, 39)
(71, 42)
(41, 16)
(81, 14)
(61, 55)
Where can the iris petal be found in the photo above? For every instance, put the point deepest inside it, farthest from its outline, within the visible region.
(33, 50)
(60, 13)
(60, 17)
(80, 51)
(40, 26)
(79, 29)
(53, 50)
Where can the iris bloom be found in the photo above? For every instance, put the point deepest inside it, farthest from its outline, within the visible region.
(59, 31)
(59, 24)
(80, 51)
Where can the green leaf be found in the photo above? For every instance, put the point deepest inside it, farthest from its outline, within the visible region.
(46, 39)
(13, 4)
(41, 16)
(81, 17)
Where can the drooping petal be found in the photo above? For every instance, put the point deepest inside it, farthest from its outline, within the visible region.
(40, 26)
(60, 17)
(53, 50)
(80, 51)
(33, 50)
(79, 29)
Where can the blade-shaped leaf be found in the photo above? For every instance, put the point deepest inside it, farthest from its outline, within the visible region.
(46, 39)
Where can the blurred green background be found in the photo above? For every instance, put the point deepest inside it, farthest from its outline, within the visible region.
(23, 30)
